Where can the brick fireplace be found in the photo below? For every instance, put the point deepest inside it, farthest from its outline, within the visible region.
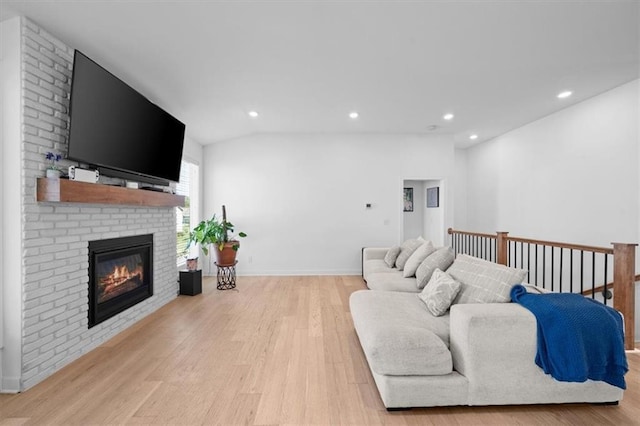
(53, 325)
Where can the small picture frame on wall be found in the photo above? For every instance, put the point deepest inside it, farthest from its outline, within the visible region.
(433, 197)
(408, 199)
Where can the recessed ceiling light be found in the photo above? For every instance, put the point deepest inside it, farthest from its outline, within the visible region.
(473, 137)
(253, 114)
(565, 94)
(448, 116)
(353, 115)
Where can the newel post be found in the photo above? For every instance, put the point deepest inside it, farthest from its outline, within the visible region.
(502, 248)
(624, 295)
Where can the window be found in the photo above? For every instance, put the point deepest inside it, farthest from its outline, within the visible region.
(187, 216)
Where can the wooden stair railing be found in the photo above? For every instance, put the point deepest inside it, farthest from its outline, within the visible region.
(623, 254)
(602, 288)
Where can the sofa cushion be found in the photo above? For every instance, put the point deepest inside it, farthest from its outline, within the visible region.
(375, 266)
(417, 258)
(391, 256)
(440, 259)
(398, 334)
(483, 281)
(440, 292)
(391, 280)
(406, 249)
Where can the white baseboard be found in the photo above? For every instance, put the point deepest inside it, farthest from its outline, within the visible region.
(294, 273)
(297, 273)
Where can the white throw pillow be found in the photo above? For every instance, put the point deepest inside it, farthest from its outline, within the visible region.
(440, 259)
(440, 292)
(417, 258)
(406, 249)
(483, 281)
(391, 256)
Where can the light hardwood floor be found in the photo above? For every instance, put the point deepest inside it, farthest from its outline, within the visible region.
(277, 350)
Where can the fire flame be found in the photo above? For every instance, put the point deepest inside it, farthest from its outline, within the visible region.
(120, 275)
(121, 272)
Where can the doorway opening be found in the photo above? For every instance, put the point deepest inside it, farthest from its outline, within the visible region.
(424, 215)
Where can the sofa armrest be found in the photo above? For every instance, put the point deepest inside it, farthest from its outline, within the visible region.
(494, 346)
(491, 337)
(370, 253)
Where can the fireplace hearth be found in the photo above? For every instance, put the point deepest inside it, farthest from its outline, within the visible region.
(120, 275)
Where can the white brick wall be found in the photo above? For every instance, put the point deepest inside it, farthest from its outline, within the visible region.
(55, 236)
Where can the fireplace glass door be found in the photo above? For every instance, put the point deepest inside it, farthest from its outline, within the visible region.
(120, 275)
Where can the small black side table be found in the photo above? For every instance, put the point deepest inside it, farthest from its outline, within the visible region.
(191, 282)
(226, 276)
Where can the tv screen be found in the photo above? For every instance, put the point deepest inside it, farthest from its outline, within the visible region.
(118, 130)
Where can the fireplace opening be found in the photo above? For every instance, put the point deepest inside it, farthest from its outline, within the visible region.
(120, 275)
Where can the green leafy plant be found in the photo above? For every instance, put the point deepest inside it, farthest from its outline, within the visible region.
(214, 231)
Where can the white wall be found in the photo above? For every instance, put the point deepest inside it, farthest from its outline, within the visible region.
(460, 190)
(3, 73)
(301, 198)
(11, 299)
(434, 216)
(572, 176)
(194, 152)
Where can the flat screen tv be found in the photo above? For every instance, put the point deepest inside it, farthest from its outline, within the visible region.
(117, 130)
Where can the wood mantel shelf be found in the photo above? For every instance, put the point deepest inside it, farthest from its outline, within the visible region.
(67, 191)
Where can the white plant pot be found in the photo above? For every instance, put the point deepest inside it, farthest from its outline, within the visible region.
(53, 174)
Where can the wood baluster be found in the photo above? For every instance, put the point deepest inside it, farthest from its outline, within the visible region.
(502, 247)
(624, 295)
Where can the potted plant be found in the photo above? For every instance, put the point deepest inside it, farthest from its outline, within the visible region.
(52, 169)
(218, 233)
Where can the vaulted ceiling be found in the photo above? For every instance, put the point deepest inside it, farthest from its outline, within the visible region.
(304, 66)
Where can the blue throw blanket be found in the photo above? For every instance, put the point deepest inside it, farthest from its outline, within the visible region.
(578, 338)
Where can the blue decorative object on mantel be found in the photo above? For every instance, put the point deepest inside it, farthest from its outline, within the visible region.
(52, 170)
(578, 338)
(53, 158)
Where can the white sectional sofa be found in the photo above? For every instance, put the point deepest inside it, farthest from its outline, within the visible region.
(379, 276)
(474, 354)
